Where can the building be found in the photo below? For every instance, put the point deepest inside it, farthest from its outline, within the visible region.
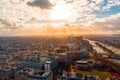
(85, 65)
(29, 64)
(69, 76)
(75, 76)
(6, 73)
(33, 74)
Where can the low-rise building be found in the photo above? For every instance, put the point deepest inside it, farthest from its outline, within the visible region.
(85, 65)
(33, 74)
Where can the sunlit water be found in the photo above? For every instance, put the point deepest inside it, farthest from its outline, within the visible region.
(100, 50)
(96, 47)
(115, 50)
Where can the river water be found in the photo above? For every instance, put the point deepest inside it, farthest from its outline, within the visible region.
(100, 50)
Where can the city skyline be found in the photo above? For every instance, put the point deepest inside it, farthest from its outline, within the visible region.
(49, 17)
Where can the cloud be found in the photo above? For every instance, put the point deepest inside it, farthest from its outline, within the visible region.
(43, 4)
(7, 25)
(109, 4)
(19, 12)
(69, 1)
(110, 24)
(65, 29)
(77, 8)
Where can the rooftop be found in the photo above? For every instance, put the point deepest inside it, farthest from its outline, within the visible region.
(34, 73)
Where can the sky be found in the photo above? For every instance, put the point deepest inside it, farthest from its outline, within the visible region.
(52, 17)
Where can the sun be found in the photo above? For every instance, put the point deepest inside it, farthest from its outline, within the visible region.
(60, 12)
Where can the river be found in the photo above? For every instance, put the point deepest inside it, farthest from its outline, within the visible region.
(100, 50)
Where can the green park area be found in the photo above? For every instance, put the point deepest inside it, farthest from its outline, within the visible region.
(101, 74)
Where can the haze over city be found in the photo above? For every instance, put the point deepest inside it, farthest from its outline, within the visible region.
(50, 17)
